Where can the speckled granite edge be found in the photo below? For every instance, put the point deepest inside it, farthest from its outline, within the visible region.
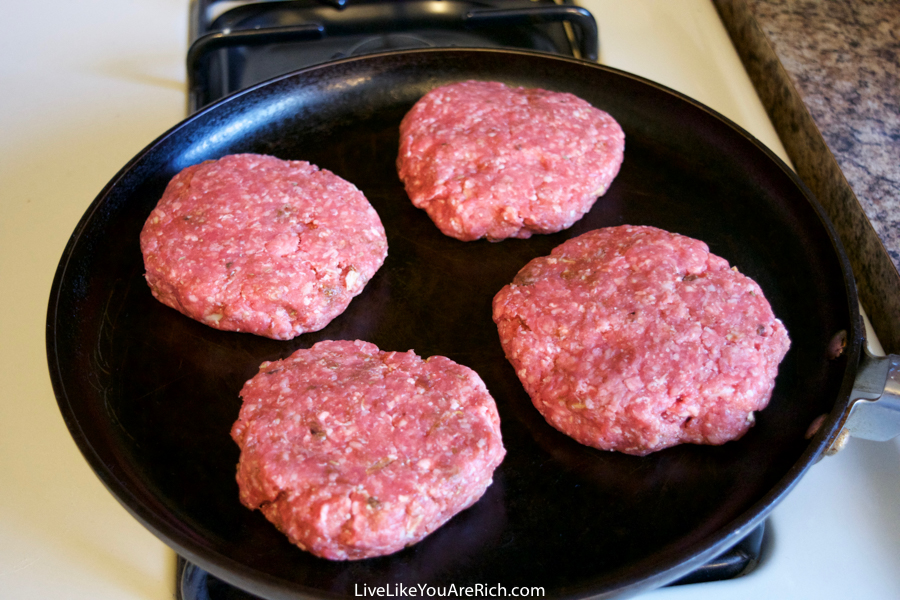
(877, 279)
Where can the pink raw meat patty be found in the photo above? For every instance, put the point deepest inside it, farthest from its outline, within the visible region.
(262, 245)
(636, 339)
(353, 452)
(485, 160)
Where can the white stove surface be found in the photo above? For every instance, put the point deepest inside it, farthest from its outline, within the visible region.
(86, 85)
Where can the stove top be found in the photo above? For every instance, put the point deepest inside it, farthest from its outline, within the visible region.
(97, 86)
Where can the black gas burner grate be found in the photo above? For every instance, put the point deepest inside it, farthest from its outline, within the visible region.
(234, 45)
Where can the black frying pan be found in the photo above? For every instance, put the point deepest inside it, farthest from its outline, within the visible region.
(149, 395)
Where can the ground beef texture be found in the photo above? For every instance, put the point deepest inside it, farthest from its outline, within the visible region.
(257, 244)
(486, 160)
(635, 339)
(353, 452)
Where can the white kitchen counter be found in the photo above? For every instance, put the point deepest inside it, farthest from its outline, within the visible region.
(86, 85)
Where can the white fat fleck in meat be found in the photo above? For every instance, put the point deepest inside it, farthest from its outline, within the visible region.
(350, 279)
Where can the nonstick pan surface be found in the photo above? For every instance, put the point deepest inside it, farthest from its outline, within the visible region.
(150, 395)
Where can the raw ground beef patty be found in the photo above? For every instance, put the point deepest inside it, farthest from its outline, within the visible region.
(354, 453)
(485, 160)
(635, 339)
(258, 244)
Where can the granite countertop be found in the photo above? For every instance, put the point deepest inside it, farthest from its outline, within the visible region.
(828, 72)
(844, 58)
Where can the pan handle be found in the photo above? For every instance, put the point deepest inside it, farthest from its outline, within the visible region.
(875, 412)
